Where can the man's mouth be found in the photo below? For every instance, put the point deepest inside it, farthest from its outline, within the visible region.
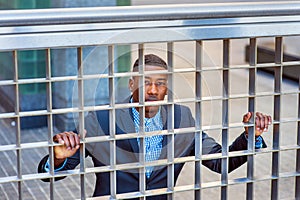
(152, 98)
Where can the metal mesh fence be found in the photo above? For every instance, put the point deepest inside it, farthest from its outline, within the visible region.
(217, 87)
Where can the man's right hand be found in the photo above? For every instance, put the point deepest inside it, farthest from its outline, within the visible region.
(70, 143)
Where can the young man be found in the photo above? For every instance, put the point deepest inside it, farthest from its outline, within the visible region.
(127, 120)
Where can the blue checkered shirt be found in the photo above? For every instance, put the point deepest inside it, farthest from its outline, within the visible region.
(153, 144)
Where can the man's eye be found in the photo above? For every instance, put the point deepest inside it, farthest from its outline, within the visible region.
(147, 83)
(160, 83)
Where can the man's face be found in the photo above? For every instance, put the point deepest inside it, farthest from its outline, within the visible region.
(155, 88)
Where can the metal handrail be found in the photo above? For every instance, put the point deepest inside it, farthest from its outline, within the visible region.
(146, 13)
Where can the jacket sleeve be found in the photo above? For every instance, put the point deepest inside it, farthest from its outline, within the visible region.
(210, 146)
(71, 163)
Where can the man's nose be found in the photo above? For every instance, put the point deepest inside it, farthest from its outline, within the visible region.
(152, 89)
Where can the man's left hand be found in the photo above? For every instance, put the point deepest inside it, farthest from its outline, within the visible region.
(262, 122)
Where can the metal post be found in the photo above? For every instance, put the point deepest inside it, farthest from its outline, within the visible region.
(251, 108)
(297, 191)
(81, 119)
(225, 111)
(170, 121)
(112, 122)
(18, 125)
(142, 175)
(198, 120)
(50, 119)
(276, 124)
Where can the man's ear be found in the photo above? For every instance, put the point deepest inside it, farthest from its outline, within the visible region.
(130, 84)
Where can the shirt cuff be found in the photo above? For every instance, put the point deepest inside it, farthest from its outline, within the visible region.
(258, 142)
(47, 166)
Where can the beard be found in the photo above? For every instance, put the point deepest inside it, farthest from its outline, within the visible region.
(150, 111)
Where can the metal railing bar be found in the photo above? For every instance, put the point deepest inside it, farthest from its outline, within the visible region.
(18, 124)
(104, 197)
(263, 94)
(204, 185)
(7, 82)
(277, 105)
(230, 182)
(50, 119)
(9, 147)
(104, 37)
(8, 179)
(297, 179)
(27, 146)
(141, 131)
(67, 173)
(146, 24)
(147, 193)
(7, 115)
(147, 13)
(184, 130)
(133, 166)
(129, 74)
(123, 106)
(132, 136)
(112, 121)
(80, 87)
(251, 108)
(170, 120)
(225, 118)
(198, 116)
(262, 178)
(130, 195)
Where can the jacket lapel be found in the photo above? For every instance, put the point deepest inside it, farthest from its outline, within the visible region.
(126, 125)
(164, 151)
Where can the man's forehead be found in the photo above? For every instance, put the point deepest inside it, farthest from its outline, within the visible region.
(156, 77)
(149, 68)
(153, 68)
(161, 75)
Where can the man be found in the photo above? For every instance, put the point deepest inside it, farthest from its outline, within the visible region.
(127, 120)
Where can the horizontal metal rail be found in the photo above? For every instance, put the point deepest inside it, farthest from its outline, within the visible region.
(73, 27)
(147, 13)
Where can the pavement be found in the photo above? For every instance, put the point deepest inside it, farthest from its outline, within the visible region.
(35, 189)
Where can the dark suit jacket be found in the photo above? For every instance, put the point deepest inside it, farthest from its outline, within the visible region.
(97, 124)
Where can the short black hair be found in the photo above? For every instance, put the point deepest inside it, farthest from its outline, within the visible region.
(151, 59)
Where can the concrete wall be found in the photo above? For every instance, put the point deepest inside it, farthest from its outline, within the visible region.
(64, 63)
